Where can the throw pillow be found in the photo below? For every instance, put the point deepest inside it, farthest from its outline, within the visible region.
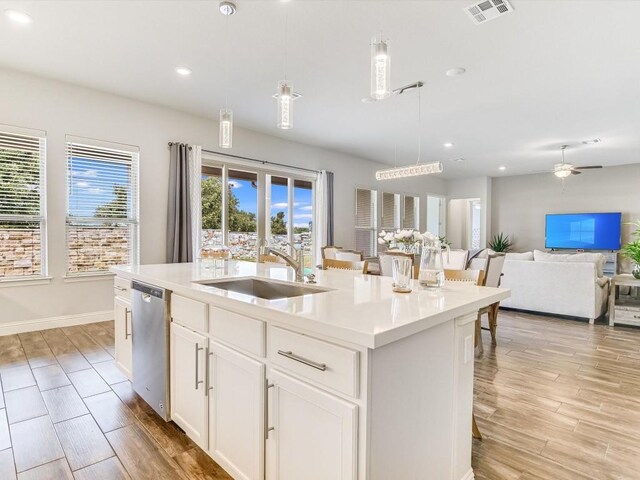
(524, 256)
(596, 258)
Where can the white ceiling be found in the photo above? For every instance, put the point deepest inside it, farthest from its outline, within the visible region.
(552, 72)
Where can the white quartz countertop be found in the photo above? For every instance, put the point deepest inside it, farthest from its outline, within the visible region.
(360, 309)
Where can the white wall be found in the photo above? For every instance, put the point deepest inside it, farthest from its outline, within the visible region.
(521, 202)
(467, 188)
(60, 108)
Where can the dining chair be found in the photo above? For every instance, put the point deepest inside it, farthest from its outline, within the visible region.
(329, 252)
(349, 255)
(270, 259)
(495, 263)
(329, 264)
(385, 261)
(475, 277)
(455, 259)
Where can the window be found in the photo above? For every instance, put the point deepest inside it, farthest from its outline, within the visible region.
(411, 212)
(258, 203)
(366, 213)
(22, 204)
(390, 211)
(102, 206)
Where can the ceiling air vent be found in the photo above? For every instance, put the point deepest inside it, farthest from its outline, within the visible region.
(488, 10)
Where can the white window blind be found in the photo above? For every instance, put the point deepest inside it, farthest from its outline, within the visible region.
(411, 212)
(390, 209)
(22, 204)
(102, 207)
(366, 221)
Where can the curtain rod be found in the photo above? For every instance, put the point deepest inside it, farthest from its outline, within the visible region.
(239, 157)
(263, 162)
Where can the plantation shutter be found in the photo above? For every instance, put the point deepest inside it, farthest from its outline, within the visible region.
(22, 203)
(366, 221)
(388, 214)
(411, 212)
(102, 207)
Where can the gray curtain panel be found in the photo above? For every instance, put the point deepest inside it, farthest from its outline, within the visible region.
(179, 246)
(329, 208)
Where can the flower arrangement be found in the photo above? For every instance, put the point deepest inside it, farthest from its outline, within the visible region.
(405, 237)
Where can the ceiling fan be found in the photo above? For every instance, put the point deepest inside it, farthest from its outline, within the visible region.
(563, 169)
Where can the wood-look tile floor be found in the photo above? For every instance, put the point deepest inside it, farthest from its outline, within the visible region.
(67, 412)
(557, 399)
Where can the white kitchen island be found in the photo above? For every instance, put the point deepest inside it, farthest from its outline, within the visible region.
(351, 381)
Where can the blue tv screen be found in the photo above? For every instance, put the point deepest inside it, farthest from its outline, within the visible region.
(587, 231)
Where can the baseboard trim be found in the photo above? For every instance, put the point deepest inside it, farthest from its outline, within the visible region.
(55, 322)
(469, 475)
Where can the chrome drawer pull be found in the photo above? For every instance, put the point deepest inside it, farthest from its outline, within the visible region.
(318, 366)
(120, 288)
(197, 349)
(127, 314)
(267, 428)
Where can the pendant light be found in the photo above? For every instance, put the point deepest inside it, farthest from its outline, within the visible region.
(380, 68)
(225, 135)
(417, 169)
(285, 94)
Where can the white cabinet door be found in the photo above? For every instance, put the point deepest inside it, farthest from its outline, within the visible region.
(314, 433)
(236, 412)
(188, 390)
(122, 333)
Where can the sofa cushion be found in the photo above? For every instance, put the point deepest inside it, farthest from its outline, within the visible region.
(596, 258)
(524, 256)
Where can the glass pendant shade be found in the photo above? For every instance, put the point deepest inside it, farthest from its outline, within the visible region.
(285, 98)
(409, 171)
(562, 170)
(226, 128)
(380, 69)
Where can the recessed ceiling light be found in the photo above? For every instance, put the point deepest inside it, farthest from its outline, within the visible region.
(458, 160)
(455, 72)
(591, 142)
(502, 168)
(18, 17)
(448, 145)
(227, 8)
(184, 71)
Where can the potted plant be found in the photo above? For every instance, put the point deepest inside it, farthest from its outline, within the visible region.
(631, 250)
(500, 243)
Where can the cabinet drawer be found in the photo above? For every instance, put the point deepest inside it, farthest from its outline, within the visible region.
(243, 332)
(189, 313)
(122, 288)
(324, 363)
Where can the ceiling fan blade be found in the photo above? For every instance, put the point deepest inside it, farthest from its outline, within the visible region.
(575, 172)
(588, 167)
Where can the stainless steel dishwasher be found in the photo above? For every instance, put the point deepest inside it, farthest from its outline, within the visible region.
(150, 339)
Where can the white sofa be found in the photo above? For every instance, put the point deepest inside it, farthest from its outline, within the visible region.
(571, 285)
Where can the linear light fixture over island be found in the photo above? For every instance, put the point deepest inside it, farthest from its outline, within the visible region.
(409, 171)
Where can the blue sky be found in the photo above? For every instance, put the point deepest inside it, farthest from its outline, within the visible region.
(302, 201)
(91, 184)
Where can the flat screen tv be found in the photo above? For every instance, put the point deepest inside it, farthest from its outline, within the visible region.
(585, 231)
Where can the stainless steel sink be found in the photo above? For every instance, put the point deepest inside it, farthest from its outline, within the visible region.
(265, 289)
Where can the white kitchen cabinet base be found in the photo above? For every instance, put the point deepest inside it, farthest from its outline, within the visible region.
(236, 412)
(122, 335)
(314, 433)
(189, 406)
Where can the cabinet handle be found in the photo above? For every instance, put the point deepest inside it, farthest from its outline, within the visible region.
(267, 428)
(198, 382)
(120, 288)
(318, 366)
(207, 369)
(127, 314)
